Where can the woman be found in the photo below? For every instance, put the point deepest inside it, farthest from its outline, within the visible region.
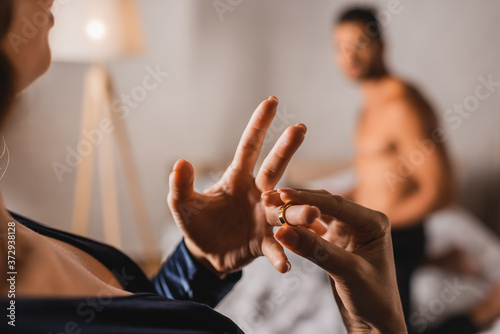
(69, 284)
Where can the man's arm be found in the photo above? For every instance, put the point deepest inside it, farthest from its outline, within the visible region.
(426, 168)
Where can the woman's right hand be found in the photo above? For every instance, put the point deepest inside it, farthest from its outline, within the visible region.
(355, 249)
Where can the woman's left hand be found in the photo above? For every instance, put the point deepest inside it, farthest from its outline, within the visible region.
(355, 249)
(225, 227)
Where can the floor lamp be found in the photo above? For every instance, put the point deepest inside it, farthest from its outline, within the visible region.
(94, 32)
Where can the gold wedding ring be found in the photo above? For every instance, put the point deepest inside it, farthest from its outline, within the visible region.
(282, 213)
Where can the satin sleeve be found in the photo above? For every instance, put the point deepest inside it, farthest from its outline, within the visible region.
(182, 277)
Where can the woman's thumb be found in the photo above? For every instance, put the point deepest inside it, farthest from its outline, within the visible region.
(315, 249)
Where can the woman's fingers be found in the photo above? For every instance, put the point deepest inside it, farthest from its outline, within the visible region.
(331, 258)
(275, 164)
(181, 182)
(312, 191)
(317, 228)
(355, 215)
(181, 194)
(305, 216)
(294, 215)
(272, 198)
(248, 150)
(275, 254)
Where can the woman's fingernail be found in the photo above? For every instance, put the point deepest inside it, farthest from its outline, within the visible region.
(303, 126)
(317, 211)
(313, 214)
(274, 98)
(286, 190)
(177, 164)
(267, 193)
(267, 201)
(288, 266)
(289, 238)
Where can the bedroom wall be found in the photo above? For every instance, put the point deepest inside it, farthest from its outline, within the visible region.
(221, 67)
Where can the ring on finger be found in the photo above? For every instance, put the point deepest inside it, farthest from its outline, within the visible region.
(282, 213)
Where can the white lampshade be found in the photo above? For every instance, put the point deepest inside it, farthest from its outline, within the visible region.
(96, 30)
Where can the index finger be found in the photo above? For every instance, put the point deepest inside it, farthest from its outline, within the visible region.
(251, 141)
(276, 162)
(363, 219)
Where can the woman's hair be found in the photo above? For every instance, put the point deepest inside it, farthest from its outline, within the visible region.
(7, 75)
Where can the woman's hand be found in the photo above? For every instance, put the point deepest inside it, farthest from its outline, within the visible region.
(355, 249)
(225, 227)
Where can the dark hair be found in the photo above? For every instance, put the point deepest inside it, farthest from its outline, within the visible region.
(7, 75)
(363, 15)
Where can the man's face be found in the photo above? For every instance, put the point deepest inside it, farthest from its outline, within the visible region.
(358, 54)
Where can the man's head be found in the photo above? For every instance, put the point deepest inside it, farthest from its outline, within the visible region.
(358, 43)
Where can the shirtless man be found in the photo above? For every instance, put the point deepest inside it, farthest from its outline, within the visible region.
(400, 156)
(401, 163)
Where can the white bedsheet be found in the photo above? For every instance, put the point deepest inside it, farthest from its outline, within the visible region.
(433, 298)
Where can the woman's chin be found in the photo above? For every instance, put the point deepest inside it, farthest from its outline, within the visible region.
(44, 65)
(22, 85)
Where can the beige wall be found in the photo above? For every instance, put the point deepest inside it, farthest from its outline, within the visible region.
(220, 70)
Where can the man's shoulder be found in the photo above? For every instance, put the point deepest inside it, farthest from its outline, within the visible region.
(402, 91)
(406, 101)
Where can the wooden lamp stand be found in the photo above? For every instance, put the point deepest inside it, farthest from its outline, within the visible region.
(98, 113)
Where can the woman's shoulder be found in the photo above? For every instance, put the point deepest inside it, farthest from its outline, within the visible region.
(126, 271)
